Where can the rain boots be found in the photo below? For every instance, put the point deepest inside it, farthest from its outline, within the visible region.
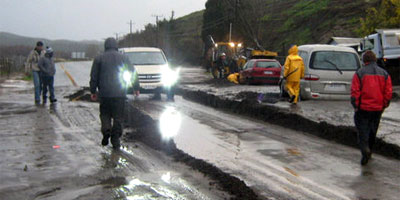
(105, 139)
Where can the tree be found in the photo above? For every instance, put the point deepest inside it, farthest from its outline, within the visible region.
(387, 15)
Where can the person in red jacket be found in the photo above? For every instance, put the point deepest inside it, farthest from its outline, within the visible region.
(371, 92)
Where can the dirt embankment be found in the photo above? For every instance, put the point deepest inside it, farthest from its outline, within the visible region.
(248, 104)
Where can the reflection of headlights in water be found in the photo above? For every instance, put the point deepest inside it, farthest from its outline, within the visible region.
(169, 77)
(166, 177)
(170, 123)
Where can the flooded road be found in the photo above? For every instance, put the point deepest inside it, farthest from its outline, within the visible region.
(276, 162)
(54, 152)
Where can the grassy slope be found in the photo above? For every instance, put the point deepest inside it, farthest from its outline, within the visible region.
(310, 21)
(186, 37)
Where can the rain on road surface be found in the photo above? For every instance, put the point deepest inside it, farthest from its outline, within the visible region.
(276, 162)
(273, 159)
(54, 152)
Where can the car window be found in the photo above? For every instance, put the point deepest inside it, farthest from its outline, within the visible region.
(392, 40)
(334, 60)
(304, 56)
(369, 44)
(146, 58)
(250, 64)
(268, 64)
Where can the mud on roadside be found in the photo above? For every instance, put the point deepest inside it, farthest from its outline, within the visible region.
(247, 103)
(81, 95)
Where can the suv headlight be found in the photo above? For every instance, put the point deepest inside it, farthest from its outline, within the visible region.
(169, 77)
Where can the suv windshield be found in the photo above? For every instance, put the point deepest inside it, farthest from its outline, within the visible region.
(267, 64)
(146, 58)
(333, 60)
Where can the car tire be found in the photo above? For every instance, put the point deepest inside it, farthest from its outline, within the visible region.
(247, 81)
(239, 81)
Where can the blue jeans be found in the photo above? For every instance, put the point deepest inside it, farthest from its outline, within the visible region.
(37, 82)
(48, 84)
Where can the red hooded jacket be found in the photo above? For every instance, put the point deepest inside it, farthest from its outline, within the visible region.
(371, 88)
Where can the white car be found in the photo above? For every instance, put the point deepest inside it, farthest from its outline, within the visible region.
(149, 63)
(328, 72)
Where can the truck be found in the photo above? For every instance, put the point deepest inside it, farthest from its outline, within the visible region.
(385, 43)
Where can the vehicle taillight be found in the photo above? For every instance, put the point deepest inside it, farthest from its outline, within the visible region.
(311, 77)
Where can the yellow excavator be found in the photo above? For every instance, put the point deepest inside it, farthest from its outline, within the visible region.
(236, 55)
(230, 50)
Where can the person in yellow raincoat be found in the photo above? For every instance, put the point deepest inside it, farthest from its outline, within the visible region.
(293, 72)
(234, 78)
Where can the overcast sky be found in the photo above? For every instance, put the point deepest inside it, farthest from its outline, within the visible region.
(86, 19)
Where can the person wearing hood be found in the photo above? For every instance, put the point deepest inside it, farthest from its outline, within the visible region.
(293, 72)
(48, 70)
(371, 92)
(32, 63)
(112, 74)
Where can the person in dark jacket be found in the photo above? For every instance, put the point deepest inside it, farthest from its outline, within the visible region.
(371, 92)
(222, 62)
(48, 70)
(112, 75)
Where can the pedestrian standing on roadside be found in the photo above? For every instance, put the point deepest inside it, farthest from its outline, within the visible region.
(293, 72)
(222, 62)
(371, 92)
(32, 61)
(112, 74)
(48, 70)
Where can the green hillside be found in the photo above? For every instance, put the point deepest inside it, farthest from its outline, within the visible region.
(179, 38)
(278, 23)
(275, 24)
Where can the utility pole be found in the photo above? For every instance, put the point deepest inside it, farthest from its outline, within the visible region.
(236, 18)
(116, 36)
(130, 32)
(157, 28)
(130, 26)
(230, 32)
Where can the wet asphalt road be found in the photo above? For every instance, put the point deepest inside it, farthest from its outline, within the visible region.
(277, 163)
(54, 152)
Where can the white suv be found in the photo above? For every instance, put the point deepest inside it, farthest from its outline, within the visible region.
(149, 63)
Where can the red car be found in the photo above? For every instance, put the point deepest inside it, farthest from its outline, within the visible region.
(260, 71)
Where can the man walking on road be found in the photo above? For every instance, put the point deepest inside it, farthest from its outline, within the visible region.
(371, 92)
(48, 70)
(293, 72)
(32, 61)
(112, 74)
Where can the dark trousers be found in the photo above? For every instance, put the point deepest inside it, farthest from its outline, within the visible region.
(48, 85)
(112, 109)
(367, 123)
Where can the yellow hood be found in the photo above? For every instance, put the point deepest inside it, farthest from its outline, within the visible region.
(293, 50)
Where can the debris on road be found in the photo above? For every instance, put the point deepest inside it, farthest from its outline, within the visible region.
(81, 95)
